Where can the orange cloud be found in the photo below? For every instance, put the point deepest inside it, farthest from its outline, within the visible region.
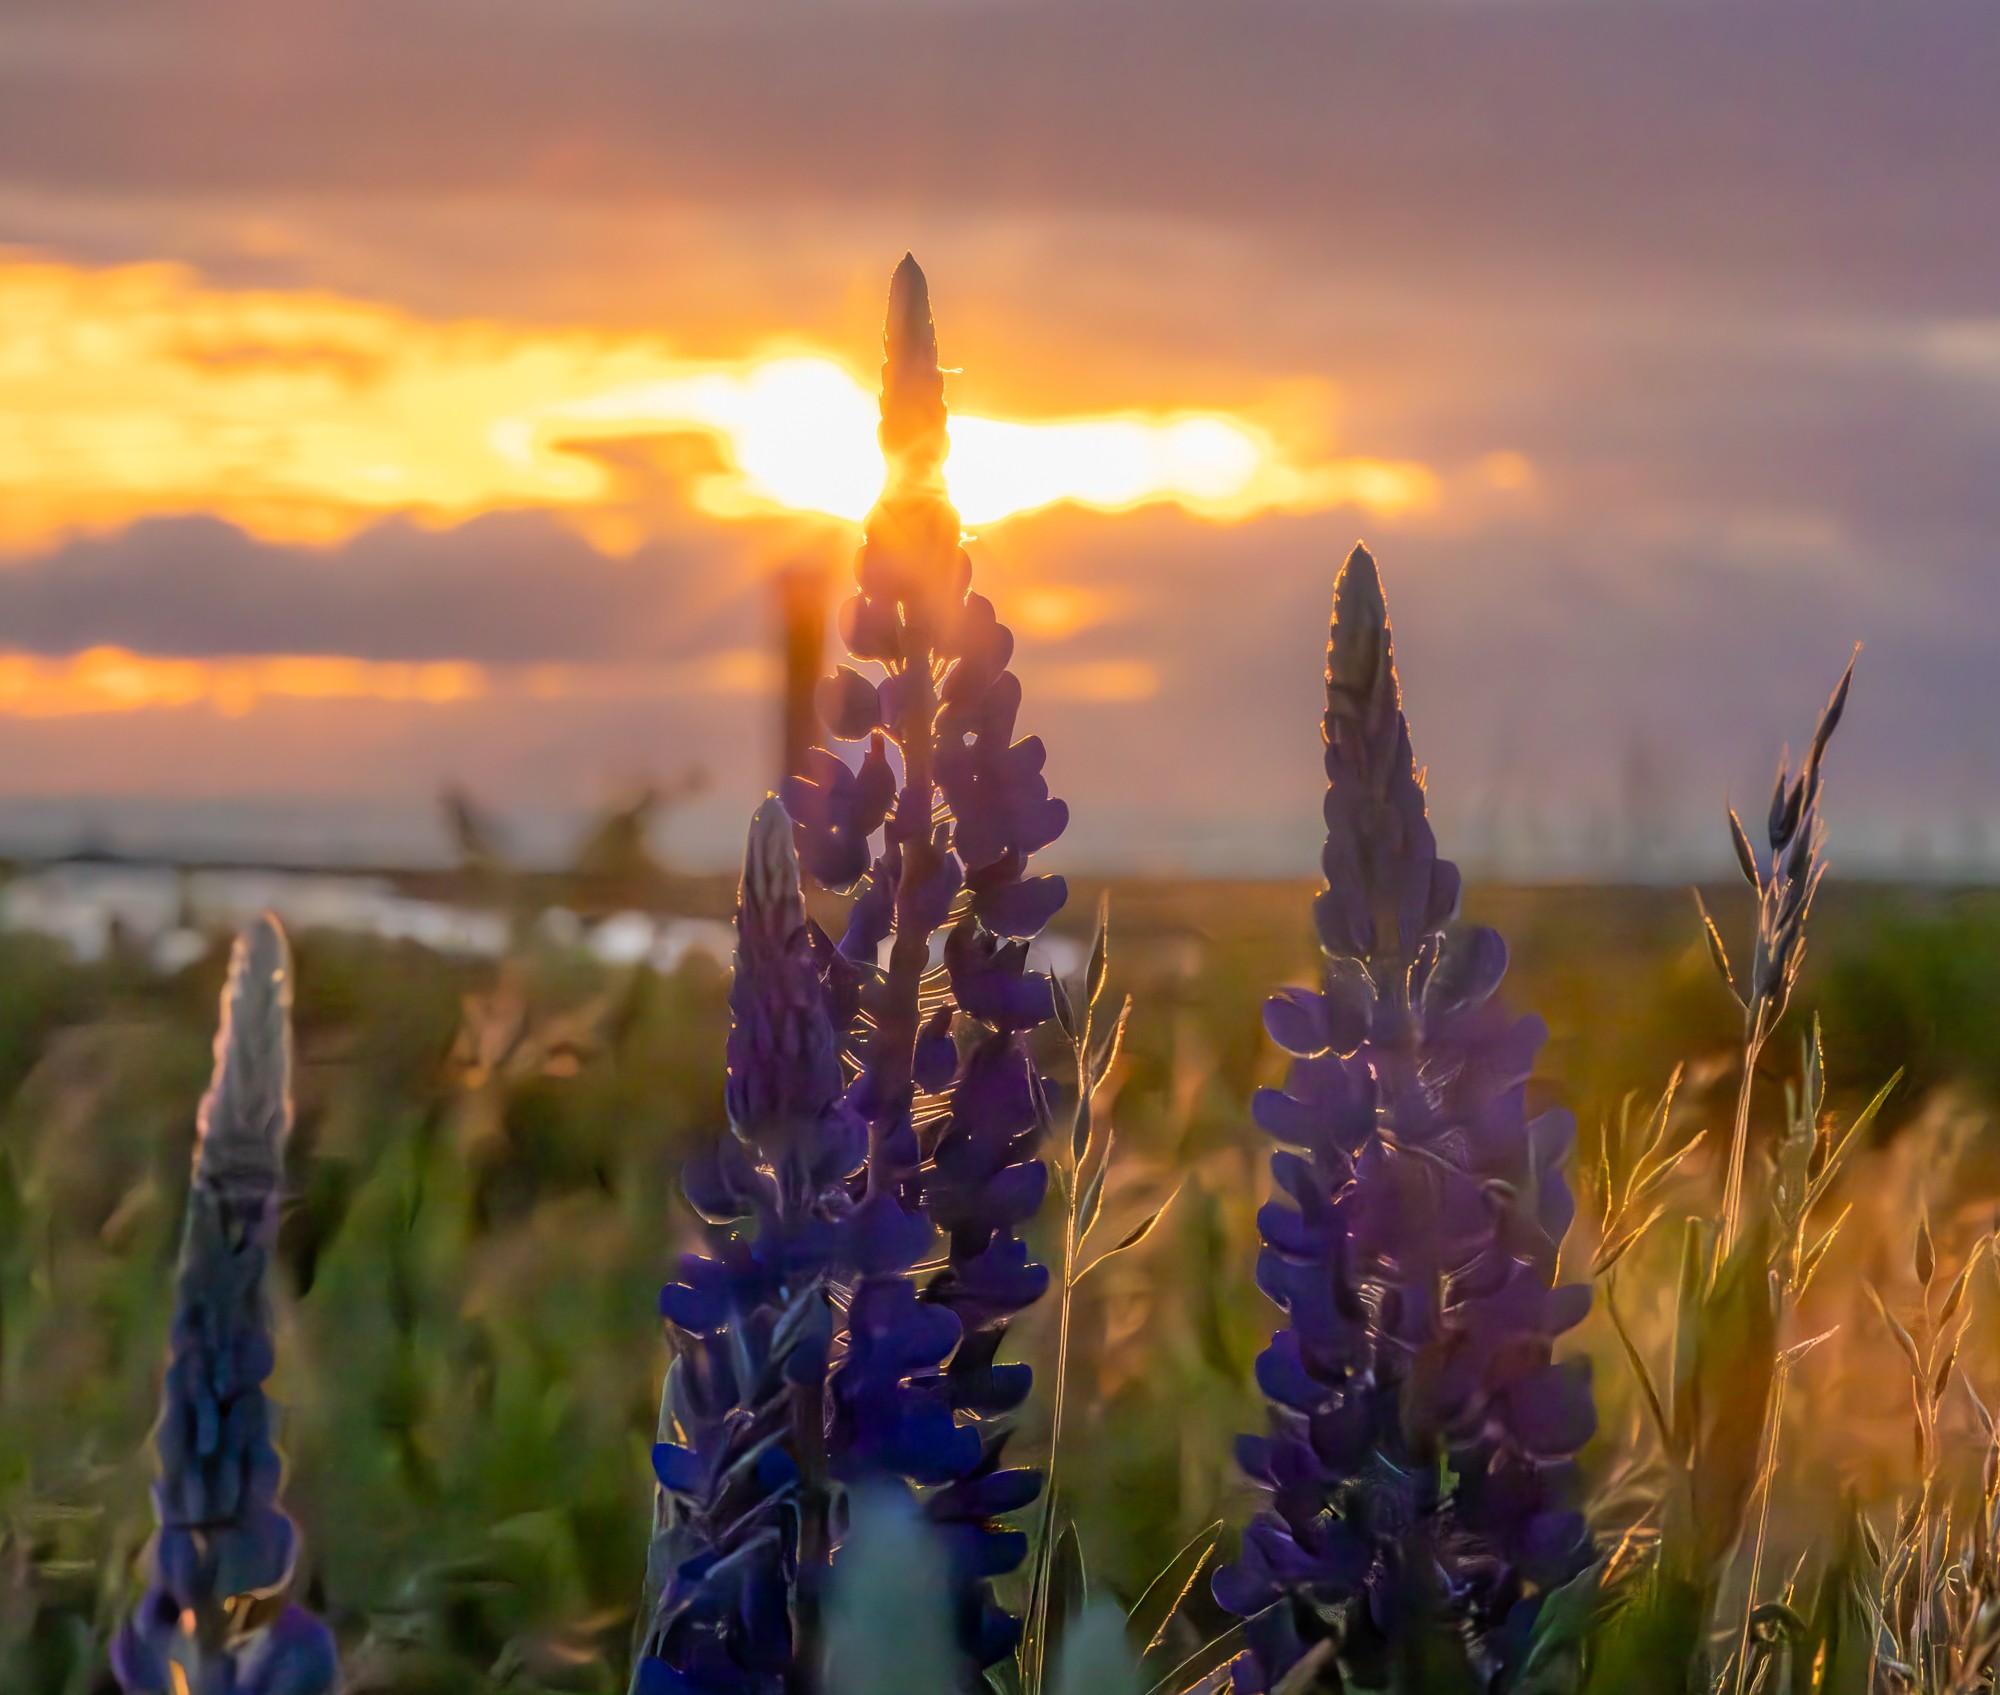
(112, 679)
(304, 416)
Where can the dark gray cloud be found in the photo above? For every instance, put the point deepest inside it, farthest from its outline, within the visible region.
(1801, 151)
(512, 588)
(1544, 660)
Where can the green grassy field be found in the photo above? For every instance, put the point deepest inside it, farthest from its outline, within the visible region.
(484, 1204)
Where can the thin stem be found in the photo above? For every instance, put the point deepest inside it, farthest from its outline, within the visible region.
(1920, 1644)
(1039, 1619)
(1739, 1141)
(1770, 1472)
(815, 1544)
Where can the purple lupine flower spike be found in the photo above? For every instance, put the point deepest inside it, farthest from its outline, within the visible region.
(214, 1620)
(1419, 1460)
(934, 827)
(742, 1513)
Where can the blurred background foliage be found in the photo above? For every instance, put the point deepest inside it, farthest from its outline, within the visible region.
(484, 1202)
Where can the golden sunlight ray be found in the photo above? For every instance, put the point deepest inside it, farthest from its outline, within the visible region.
(140, 391)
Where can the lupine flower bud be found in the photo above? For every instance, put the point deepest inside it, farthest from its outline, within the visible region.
(1419, 1460)
(215, 1620)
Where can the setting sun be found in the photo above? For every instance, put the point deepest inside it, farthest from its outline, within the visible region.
(302, 417)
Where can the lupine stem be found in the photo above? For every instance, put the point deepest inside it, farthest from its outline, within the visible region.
(899, 1009)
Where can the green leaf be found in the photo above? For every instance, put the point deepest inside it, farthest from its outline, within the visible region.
(1079, 1130)
(1687, 1327)
(1563, 1626)
(1815, 1071)
(1100, 953)
(1653, 1644)
(1727, 1397)
(1133, 1237)
(1840, 1636)
(1065, 1011)
(1093, 1190)
(1830, 1168)
(1106, 1053)
(1956, 1293)
(1153, 1613)
(1897, 1329)
(1202, 1664)
(1069, 1590)
(1661, 1426)
(1095, 1657)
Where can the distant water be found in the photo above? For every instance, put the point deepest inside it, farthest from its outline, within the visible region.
(174, 917)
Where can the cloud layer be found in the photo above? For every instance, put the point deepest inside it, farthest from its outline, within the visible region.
(1687, 307)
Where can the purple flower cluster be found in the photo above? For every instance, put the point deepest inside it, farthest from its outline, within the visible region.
(874, 1106)
(214, 1619)
(1420, 1458)
(934, 829)
(742, 1458)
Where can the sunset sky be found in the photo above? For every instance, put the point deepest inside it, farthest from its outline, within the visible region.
(403, 391)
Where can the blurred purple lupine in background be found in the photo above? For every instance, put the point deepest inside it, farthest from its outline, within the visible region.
(215, 1619)
(1423, 1492)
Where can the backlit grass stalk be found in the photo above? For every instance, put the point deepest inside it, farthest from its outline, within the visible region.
(1784, 883)
(1808, 1161)
(1931, 1352)
(1082, 1164)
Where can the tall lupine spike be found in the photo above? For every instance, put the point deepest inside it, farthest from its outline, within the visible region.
(215, 1619)
(935, 839)
(742, 1523)
(1420, 1453)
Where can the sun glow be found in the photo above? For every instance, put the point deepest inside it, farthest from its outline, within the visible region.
(302, 417)
(110, 679)
(103, 680)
